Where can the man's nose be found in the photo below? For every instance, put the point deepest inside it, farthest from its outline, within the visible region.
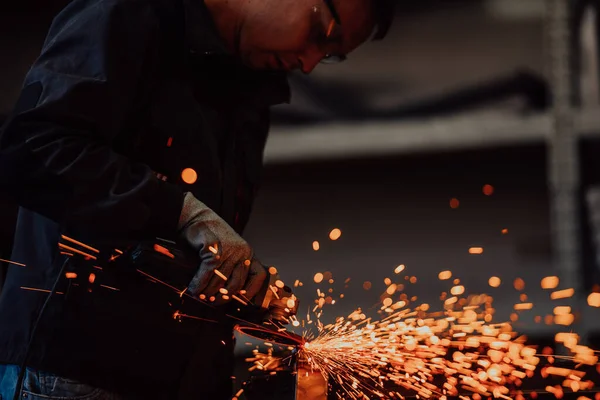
(309, 61)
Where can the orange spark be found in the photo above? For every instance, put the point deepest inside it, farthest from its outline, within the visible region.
(594, 300)
(445, 275)
(64, 246)
(12, 262)
(85, 246)
(519, 284)
(163, 250)
(335, 234)
(562, 294)
(220, 274)
(549, 282)
(494, 281)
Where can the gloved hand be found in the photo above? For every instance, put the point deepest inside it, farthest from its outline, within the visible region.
(226, 260)
(279, 300)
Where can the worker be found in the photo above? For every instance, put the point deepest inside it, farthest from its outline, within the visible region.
(146, 119)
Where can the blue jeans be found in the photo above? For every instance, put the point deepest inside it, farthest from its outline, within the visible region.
(39, 385)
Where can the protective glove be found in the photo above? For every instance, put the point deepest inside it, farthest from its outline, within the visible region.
(278, 299)
(226, 260)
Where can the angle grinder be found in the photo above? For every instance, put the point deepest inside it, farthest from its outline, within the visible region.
(176, 264)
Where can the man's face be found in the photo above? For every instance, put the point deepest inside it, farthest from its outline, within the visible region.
(298, 34)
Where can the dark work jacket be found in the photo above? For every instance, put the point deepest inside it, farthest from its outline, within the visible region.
(126, 95)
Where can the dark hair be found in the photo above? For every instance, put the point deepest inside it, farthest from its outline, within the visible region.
(384, 16)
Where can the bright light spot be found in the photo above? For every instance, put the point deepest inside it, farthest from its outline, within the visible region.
(189, 176)
(550, 282)
(391, 289)
(523, 297)
(273, 271)
(316, 246)
(387, 302)
(494, 281)
(92, 277)
(565, 320)
(399, 268)
(488, 190)
(519, 284)
(504, 231)
(71, 275)
(279, 284)
(562, 294)
(476, 250)
(291, 303)
(445, 275)
(524, 306)
(457, 290)
(594, 299)
(387, 281)
(562, 310)
(318, 277)
(413, 279)
(335, 234)
(296, 323)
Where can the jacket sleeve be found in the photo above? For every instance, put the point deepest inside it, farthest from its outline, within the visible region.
(56, 155)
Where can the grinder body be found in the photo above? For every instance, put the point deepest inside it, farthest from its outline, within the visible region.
(176, 264)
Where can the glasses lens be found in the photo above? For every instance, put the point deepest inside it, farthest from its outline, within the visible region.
(333, 59)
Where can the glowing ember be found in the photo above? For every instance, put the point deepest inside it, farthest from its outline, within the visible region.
(399, 268)
(316, 246)
(335, 234)
(457, 290)
(494, 282)
(562, 294)
(445, 275)
(454, 203)
(550, 282)
(488, 190)
(519, 284)
(594, 300)
(476, 250)
(318, 277)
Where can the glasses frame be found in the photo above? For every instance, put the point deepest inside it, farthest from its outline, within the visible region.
(332, 58)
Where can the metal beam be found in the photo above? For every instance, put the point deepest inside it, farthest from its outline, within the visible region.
(368, 139)
(563, 156)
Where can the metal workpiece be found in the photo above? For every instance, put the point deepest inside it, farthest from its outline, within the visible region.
(294, 380)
